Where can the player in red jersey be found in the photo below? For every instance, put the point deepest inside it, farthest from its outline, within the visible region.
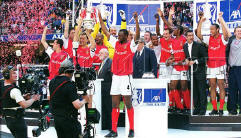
(122, 68)
(180, 70)
(84, 52)
(166, 44)
(68, 38)
(99, 45)
(216, 60)
(56, 54)
(172, 51)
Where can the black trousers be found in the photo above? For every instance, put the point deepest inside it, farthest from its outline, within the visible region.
(199, 93)
(67, 127)
(106, 105)
(234, 86)
(17, 127)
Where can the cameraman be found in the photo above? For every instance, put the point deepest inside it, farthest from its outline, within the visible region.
(13, 104)
(65, 102)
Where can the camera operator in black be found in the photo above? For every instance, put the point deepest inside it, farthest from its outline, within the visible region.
(65, 102)
(13, 104)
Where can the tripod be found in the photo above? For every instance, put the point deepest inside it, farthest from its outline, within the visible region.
(88, 126)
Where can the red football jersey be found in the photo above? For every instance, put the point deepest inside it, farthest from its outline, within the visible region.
(179, 54)
(122, 63)
(165, 49)
(96, 58)
(83, 56)
(69, 50)
(54, 64)
(216, 52)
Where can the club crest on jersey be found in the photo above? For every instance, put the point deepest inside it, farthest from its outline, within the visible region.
(62, 57)
(125, 46)
(181, 44)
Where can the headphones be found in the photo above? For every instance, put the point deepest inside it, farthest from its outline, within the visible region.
(6, 72)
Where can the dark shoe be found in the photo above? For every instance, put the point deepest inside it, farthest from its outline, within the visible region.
(214, 112)
(196, 112)
(131, 134)
(220, 112)
(179, 111)
(112, 134)
(233, 112)
(202, 113)
(187, 112)
(171, 109)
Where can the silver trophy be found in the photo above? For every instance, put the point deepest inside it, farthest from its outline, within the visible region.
(88, 21)
(209, 11)
(104, 10)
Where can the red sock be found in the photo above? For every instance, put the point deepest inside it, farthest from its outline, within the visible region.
(221, 104)
(115, 116)
(177, 99)
(186, 98)
(130, 113)
(171, 99)
(214, 103)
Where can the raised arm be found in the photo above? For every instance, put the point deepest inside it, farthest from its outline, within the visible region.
(43, 39)
(171, 13)
(157, 24)
(123, 19)
(226, 32)
(77, 30)
(66, 27)
(199, 27)
(103, 26)
(91, 39)
(163, 18)
(137, 36)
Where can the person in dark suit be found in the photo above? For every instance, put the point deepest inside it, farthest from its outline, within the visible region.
(144, 60)
(105, 73)
(196, 55)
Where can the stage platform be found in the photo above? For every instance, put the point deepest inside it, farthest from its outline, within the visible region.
(204, 123)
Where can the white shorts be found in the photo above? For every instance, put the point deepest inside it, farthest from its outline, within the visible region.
(178, 75)
(218, 72)
(165, 72)
(121, 85)
(91, 91)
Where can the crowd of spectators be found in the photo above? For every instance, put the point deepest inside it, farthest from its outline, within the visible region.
(183, 13)
(31, 53)
(28, 16)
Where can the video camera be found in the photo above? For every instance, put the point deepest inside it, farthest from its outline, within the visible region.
(83, 77)
(34, 80)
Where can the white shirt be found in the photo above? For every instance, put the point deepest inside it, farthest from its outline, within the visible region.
(15, 94)
(148, 44)
(102, 64)
(113, 40)
(140, 51)
(66, 42)
(49, 51)
(157, 50)
(190, 49)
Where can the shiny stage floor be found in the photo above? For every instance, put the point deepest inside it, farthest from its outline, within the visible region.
(172, 133)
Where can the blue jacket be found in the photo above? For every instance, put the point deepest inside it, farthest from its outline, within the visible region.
(147, 62)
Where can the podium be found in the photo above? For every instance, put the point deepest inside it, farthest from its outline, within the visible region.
(150, 108)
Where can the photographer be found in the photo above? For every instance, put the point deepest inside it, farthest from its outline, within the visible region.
(13, 104)
(65, 102)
